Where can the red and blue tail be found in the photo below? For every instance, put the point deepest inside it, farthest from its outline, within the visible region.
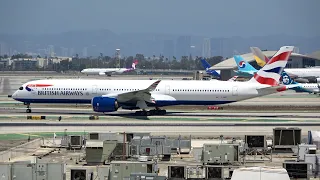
(270, 74)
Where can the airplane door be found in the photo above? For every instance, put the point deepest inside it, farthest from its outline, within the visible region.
(234, 90)
(167, 90)
(94, 89)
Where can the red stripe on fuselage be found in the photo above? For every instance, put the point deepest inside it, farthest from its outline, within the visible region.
(281, 57)
(39, 85)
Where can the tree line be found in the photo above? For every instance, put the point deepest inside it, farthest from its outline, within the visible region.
(78, 64)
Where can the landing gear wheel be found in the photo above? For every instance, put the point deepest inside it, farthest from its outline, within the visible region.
(28, 111)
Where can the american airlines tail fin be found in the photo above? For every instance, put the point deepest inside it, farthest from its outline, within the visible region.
(243, 65)
(271, 72)
(258, 55)
(135, 62)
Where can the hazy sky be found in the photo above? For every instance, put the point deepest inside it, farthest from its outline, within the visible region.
(195, 17)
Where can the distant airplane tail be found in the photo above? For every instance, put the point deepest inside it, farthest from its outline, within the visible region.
(135, 62)
(271, 72)
(260, 58)
(243, 65)
(286, 79)
(206, 66)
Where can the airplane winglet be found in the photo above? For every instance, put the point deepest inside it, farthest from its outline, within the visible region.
(153, 86)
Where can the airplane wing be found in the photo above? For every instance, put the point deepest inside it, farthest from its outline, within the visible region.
(279, 88)
(139, 97)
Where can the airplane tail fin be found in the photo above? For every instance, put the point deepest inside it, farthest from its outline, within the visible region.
(286, 79)
(271, 72)
(242, 64)
(135, 62)
(206, 66)
(260, 58)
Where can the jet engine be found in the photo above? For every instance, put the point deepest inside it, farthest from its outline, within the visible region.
(318, 80)
(104, 104)
(102, 73)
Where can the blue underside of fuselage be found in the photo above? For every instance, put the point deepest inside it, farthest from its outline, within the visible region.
(158, 103)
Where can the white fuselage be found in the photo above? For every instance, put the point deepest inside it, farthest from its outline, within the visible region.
(105, 71)
(312, 87)
(303, 72)
(168, 92)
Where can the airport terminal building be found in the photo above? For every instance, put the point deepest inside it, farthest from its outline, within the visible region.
(296, 60)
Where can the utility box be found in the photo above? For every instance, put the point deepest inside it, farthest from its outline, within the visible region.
(5, 171)
(285, 138)
(50, 171)
(23, 171)
(298, 170)
(103, 172)
(146, 176)
(97, 152)
(76, 141)
(81, 173)
(304, 149)
(220, 153)
(123, 169)
(179, 172)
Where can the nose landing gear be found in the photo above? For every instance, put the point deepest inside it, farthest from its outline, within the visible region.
(28, 107)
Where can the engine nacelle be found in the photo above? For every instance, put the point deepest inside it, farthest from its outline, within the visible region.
(318, 80)
(104, 104)
(102, 73)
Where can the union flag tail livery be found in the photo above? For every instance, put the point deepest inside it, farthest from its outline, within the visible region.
(270, 74)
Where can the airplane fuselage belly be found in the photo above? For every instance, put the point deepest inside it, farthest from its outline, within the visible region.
(167, 92)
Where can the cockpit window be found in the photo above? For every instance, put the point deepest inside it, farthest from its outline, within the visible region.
(21, 88)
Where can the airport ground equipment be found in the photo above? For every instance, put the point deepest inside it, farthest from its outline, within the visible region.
(158, 146)
(256, 146)
(218, 172)
(195, 172)
(99, 152)
(103, 172)
(123, 169)
(81, 173)
(76, 141)
(220, 153)
(146, 176)
(298, 170)
(304, 149)
(177, 172)
(314, 160)
(286, 138)
(32, 171)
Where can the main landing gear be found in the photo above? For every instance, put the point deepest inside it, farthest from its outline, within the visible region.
(28, 108)
(156, 111)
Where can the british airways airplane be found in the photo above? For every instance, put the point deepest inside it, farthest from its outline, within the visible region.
(109, 71)
(301, 74)
(109, 95)
(245, 69)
